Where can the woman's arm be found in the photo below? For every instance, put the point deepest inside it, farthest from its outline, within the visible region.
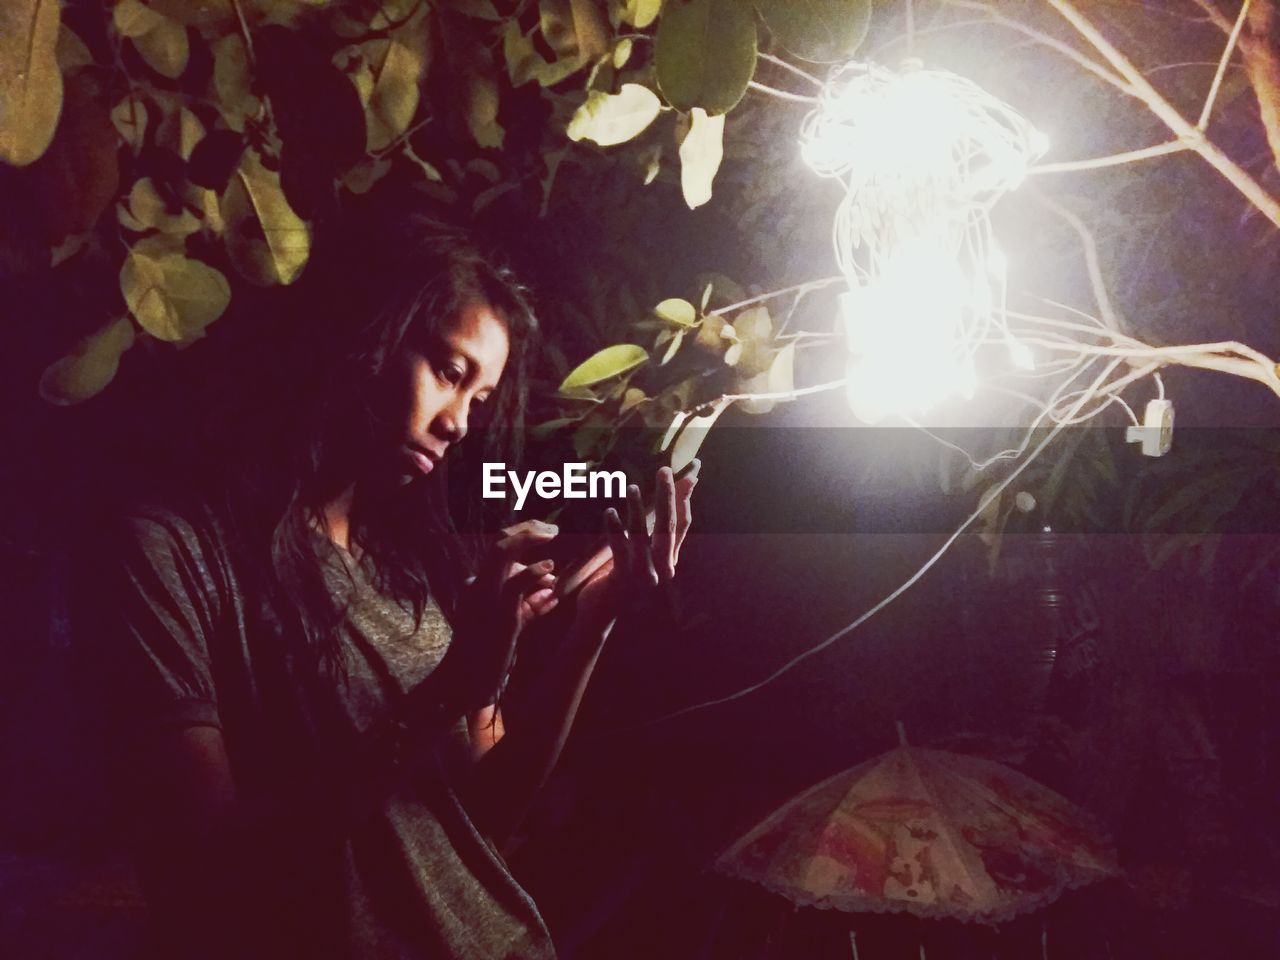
(212, 863)
(512, 768)
(512, 765)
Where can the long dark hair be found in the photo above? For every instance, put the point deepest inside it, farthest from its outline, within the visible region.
(388, 289)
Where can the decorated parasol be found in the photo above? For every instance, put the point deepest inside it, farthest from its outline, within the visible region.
(928, 832)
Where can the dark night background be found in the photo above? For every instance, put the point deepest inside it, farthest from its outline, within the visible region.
(802, 522)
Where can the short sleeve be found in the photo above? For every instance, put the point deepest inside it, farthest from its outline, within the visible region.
(167, 604)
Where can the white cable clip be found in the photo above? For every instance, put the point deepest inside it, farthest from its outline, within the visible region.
(1156, 432)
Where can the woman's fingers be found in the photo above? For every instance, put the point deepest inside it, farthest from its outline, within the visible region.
(641, 556)
(542, 601)
(518, 540)
(664, 526)
(504, 559)
(684, 507)
(617, 536)
(528, 580)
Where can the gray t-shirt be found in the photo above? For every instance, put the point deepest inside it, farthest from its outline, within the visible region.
(408, 876)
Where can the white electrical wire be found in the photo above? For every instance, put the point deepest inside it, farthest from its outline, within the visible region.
(902, 588)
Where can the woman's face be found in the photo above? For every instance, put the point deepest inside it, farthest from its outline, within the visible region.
(449, 382)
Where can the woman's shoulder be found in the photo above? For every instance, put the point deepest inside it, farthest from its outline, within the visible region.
(186, 532)
(191, 521)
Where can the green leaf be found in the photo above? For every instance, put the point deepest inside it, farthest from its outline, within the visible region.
(574, 28)
(700, 156)
(482, 110)
(71, 52)
(1224, 486)
(180, 132)
(672, 349)
(30, 80)
(164, 47)
(705, 53)
(149, 211)
(779, 378)
(465, 44)
(639, 13)
(622, 53)
(677, 311)
(172, 297)
(609, 362)
(393, 95)
(821, 30)
(363, 176)
(479, 9)
(687, 434)
(652, 161)
(231, 82)
(129, 117)
(525, 63)
(197, 13)
(133, 18)
(632, 398)
(610, 119)
(88, 369)
(268, 243)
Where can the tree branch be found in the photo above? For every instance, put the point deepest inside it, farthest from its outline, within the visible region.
(1222, 67)
(1115, 159)
(1141, 88)
(1260, 47)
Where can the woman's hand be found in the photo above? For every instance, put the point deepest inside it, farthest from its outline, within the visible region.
(504, 598)
(641, 561)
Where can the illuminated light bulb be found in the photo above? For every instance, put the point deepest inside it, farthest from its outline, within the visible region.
(923, 155)
(997, 263)
(1021, 355)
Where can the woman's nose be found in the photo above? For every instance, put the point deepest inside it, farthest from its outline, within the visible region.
(453, 420)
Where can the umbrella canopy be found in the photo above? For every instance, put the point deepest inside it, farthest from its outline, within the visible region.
(933, 833)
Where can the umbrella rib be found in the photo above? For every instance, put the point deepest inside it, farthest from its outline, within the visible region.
(976, 882)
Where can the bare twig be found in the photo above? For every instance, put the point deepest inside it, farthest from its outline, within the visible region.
(807, 287)
(779, 62)
(1092, 261)
(1229, 49)
(1115, 159)
(780, 94)
(1216, 16)
(1261, 49)
(1044, 39)
(702, 409)
(1141, 88)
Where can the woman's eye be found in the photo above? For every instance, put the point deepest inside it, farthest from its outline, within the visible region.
(451, 373)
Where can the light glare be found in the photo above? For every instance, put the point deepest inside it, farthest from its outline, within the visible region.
(923, 155)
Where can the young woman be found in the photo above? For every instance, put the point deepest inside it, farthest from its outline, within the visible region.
(305, 680)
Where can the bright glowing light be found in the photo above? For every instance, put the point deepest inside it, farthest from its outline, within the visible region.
(924, 155)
